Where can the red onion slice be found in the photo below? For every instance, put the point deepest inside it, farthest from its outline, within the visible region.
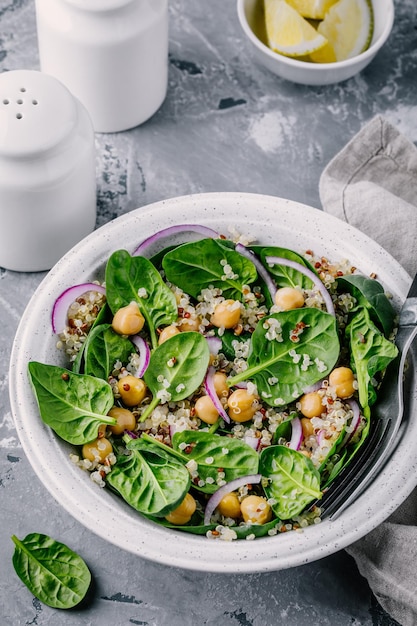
(262, 271)
(63, 302)
(211, 392)
(174, 230)
(277, 260)
(314, 387)
(214, 344)
(217, 497)
(253, 442)
(144, 354)
(296, 434)
(355, 420)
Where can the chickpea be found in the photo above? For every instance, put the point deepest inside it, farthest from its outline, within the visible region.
(226, 314)
(342, 379)
(183, 513)
(242, 405)
(128, 320)
(167, 333)
(97, 450)
(287, 298)
(132, 390)
(229, 506)
(256, 510)
(220, 384)
(307, 427)
(205, 410)
(188, 323)
(125, 420)
(311, 405)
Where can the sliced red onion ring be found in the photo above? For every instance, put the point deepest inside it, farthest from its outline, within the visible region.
(144, 354)
(217, 497)
(253, 442)
(321, 435)
(315, 387)
(211, 392)
(262, 271)
(64, 301)
(174, 230)
(214, 344)
(355, 420)
(296, 434)
(277, 260)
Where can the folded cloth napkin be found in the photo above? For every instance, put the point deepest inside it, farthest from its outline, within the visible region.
(372, 184)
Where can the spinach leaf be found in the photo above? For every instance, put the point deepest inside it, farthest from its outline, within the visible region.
(201, 264)
(284, 429)
(51, 571)
(370, 352)
(73, 405)
(242, 530)
(230, 340)
(150, 479)
(281, 367)
(370, 294)
(125, 276)
(104, 316)
(176, 368)
(105, 347)
(285, 276)
(213, 453)
(293, 481)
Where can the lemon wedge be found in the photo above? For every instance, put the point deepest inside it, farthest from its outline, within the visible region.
(313, 9)
(348, 26)
(288, 32)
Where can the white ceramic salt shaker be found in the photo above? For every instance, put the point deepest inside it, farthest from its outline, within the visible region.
(111, 54)
(47, 171)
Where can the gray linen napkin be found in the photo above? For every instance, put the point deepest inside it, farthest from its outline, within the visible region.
(372, 184)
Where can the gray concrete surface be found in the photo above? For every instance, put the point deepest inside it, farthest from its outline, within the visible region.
(227, 124)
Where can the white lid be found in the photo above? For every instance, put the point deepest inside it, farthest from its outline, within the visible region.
(37, 112)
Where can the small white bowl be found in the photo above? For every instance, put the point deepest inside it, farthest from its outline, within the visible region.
(250, 13)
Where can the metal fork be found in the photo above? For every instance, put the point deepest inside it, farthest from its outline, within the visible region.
(387, 418)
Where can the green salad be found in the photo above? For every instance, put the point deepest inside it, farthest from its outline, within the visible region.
(218, 387)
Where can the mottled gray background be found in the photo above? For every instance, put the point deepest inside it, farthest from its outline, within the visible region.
(227, 124)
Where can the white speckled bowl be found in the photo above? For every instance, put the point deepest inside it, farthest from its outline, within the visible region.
(273, 221)
(250, 13)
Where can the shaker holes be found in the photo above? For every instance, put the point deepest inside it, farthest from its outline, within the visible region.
(19, 116)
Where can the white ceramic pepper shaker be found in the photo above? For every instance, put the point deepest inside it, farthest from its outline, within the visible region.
(47, 171)
(111, 54)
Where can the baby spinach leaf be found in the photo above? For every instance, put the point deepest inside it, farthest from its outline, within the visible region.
(51, 571)
(176, 368)
(105, 347)
(73, 405)
(242, 530)
(125, 276)
(370, 294)
(150, 479)
(104, 316)
(230, 341)
(282, 367)
(293, 481)
(285, 276)
(201, 264)
(370, 351)
(213, 453)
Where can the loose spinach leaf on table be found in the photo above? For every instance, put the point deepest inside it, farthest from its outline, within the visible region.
(151, 479)
(285, 276)
(370, 353)
(200, 265)
(213, 453)
(51, 571)
(176, 368)
(125, 276)
(370, 294)
(293, 481)
(105, 347)
(282, 368)
(73, 405)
